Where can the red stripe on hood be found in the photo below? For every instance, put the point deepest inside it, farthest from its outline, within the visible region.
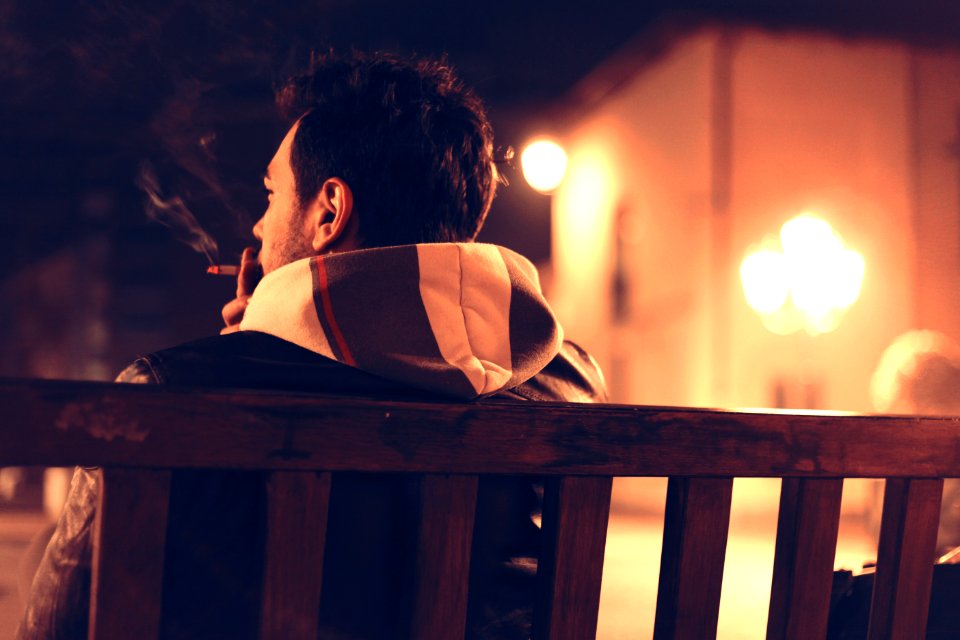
(328, 313)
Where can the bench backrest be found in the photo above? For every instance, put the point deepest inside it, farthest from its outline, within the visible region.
(139, 434)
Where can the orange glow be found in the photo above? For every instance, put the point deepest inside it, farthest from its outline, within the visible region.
(588, 186)
(809, 283)
(583, 209)
(544, 164)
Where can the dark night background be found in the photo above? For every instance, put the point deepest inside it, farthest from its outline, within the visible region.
(94, 94)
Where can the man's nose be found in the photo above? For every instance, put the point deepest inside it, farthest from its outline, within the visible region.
(258, 230)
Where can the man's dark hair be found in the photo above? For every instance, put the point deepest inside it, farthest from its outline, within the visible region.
(410, 139)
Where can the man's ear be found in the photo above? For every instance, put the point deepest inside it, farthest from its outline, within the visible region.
(335, 225)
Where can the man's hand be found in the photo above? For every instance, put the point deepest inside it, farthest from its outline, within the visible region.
(247, 280)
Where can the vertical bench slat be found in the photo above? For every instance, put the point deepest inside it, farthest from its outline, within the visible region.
(297, 508)
(908, 538)
(807, 529)
(128, 548)
(448, 506)
(575, 515)
(696, 522)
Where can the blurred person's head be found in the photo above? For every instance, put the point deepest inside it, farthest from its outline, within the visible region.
(919, 373)
(399, 148)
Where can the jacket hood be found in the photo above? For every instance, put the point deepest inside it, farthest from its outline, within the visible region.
(464, 319)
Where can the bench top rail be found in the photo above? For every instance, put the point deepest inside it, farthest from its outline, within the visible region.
(66, 423)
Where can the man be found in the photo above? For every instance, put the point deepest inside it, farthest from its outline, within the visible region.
(371, 286)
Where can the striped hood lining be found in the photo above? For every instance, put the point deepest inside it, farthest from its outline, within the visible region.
(463, 319)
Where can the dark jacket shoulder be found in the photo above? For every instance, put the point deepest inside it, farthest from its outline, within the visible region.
(255, 360)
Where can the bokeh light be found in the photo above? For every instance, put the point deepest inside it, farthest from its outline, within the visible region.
(919, 373)
(807, 282)
(763, 274)
(544, 163)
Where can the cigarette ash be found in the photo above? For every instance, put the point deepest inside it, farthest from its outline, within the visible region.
(174, 214)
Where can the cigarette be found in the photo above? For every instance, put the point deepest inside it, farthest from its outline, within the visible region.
(224, 269)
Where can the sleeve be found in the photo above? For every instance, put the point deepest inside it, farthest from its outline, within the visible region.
(59, 601)
(140, 372)
(60, 596)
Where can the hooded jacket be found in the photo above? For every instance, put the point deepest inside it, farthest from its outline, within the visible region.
(431, 321)
(466, 320)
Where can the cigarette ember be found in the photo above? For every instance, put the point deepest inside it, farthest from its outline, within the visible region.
(223, 269)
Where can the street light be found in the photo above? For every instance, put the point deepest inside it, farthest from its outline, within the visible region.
(544, 163)
(806, 281)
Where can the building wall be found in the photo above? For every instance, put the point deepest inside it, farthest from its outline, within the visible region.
(935, 164)
(821, 125)
(863, 133)
(637, 185)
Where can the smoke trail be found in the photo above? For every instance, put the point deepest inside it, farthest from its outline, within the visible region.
(174, 214)
(186, 128)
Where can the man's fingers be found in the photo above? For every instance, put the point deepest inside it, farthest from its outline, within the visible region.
(233, 311)
(249, 274)
(246, 282)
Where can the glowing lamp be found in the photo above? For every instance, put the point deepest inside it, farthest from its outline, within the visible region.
(544, 163)
(763, 274)
(806, 281)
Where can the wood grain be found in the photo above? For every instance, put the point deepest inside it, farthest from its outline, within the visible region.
(905, 556)
(448, 505)
(65, 423)
(297, 508)
(696, 521)
(128, 550)
(803, 564)
(574, 527)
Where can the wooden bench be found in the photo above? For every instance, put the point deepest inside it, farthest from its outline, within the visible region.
(139, 433)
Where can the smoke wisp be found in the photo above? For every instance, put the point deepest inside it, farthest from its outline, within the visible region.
(174, 214)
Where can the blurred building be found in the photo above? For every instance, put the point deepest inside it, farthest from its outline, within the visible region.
(693, 152)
